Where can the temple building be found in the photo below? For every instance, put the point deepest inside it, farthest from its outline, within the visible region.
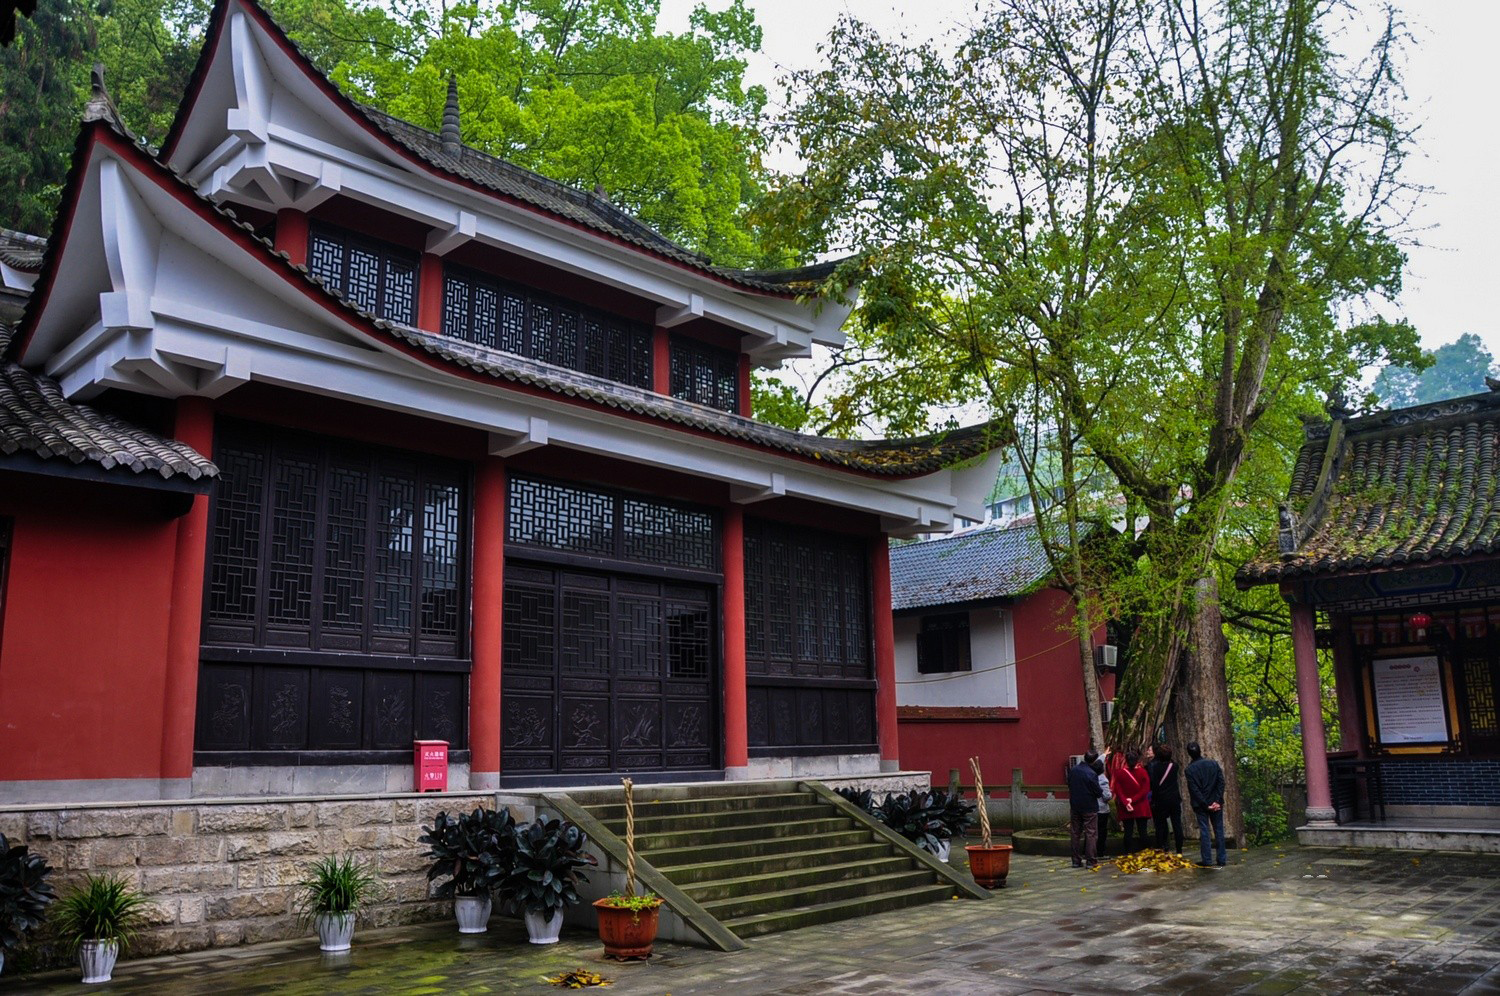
(321, 433)
(1390, 559)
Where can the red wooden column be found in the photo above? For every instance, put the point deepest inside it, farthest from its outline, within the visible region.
(430, 293)
(489, 592)
(736, 735)
(195, 427)
(747, 406)
(291, 234)
(885, 653)
(1310, 710)
(661, 361)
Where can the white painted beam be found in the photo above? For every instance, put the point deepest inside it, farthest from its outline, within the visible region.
(444, 241)
(509, 444)
(668, 316)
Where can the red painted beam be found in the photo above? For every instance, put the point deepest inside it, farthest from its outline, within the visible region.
(885, 654)
(736, 731)
(291, 234)
(430, 293)
(489, 590)
(194, 426)
(661, 361)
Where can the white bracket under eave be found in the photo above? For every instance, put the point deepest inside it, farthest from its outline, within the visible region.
(508, 444)
(743, 494)
(444, 241)
(922, 521)
(330, 181)
(670, 316)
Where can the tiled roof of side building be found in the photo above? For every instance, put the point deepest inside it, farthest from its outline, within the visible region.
(969, 567)
(1398, 487)
(37, 421)
(22, 251)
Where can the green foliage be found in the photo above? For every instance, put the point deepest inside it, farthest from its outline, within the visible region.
(620, 901)
(25, 893)
(927, 819)
(335, 884)
(549, 856)
(474, 850)
(1452, 370)
(104, 908)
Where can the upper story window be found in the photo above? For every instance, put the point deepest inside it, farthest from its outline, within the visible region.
(807, 602)
(377, 277)
(705, 374)
(943, 644)
(490, 312)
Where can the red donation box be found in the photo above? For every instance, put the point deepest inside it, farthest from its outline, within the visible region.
(431, 757)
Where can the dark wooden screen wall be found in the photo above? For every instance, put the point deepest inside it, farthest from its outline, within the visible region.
(377, 277)
(336, 609)
(807, 641)
(705, 374)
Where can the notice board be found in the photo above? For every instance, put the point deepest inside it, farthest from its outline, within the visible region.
(1409, 700)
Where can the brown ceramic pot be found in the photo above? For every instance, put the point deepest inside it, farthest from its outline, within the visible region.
(626, 933)
(989, 865)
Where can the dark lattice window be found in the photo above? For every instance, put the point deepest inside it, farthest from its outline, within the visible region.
(323, 546)
(806, 603)
(490, 312)
(943, 643)
(705, 374)
(375, 276)
(571, 518)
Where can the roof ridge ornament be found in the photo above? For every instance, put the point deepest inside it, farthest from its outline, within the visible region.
(451, 136)
(100, 107)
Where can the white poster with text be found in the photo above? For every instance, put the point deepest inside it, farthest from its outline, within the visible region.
(1409, 700)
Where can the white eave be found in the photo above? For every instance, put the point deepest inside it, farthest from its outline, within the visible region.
(262, 132)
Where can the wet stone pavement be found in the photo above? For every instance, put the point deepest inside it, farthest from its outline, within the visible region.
(1278, 920)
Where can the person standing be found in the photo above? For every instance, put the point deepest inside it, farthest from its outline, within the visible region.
(1104, 796)
(1166, 796)
(1206, 794)
(1083, 802)
(1132, 787)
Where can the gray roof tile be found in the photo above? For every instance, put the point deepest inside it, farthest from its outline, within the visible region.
(969, 567)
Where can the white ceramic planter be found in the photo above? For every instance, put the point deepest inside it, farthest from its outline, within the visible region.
(542, 932)
(473, 913)
(335, 931)
(97, 959)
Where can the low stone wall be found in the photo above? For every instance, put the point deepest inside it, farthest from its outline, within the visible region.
(221, 873)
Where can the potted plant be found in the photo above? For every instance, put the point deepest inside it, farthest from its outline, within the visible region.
(989, 863)
(99, 918)
(954, 811)
(476, 851)
(335, 889)
(549, 854)
(915, 816)
(25, 894)
(628, 922)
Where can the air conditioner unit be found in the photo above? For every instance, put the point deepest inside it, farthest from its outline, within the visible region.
(1107, 657)
(1107, 709)
(1074, 760)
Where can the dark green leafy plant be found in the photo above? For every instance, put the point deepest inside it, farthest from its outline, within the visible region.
(475, 850)
(864, 799)
(104, 908)
(25, 893)
(954, 811)
(549, 854)
(917, 816)
(335, 884)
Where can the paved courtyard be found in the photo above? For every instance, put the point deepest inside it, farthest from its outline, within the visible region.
(1278, 920)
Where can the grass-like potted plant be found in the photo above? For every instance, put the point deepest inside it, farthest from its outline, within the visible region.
(99, 918)
(25, 894)
(628, 922)
(476, 851)
(332, 894)
(549, 854)
(989, 862)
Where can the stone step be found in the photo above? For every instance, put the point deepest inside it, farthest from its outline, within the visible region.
(841, 909)
(667, 858)
(819, 873)
(736, 907)
(612, 795)
(649, 843)
(653, 824)
(610, 811)
(770, 864)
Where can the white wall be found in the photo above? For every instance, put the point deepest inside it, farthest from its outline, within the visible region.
(992, 652)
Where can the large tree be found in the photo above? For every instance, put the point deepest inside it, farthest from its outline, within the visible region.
(1144, 231)
(1450, 371)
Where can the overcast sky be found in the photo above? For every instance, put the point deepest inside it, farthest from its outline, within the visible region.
(1450, 77)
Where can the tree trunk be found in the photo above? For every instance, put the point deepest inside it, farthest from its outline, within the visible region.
(1200, 700)
(1091, 700)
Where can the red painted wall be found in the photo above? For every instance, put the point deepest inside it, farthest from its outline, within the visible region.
(1049, 695)
(84, 647)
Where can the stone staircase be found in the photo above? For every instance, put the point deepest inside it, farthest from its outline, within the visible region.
(770, 856)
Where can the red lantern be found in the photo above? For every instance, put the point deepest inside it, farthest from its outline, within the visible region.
(1419, 621)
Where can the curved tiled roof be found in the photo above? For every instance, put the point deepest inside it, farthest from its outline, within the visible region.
(36, 420)
(1399, 487)
(968, 567)
(22, 251)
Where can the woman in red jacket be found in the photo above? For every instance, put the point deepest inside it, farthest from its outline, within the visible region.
(1132, 790)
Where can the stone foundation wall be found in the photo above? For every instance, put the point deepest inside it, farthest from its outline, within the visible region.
(217, 874)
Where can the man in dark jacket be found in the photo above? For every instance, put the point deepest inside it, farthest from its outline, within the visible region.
(1206, 793)
(1166, 796)
(1083, 800)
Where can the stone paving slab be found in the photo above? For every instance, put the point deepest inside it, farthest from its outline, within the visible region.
(1278, 920)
